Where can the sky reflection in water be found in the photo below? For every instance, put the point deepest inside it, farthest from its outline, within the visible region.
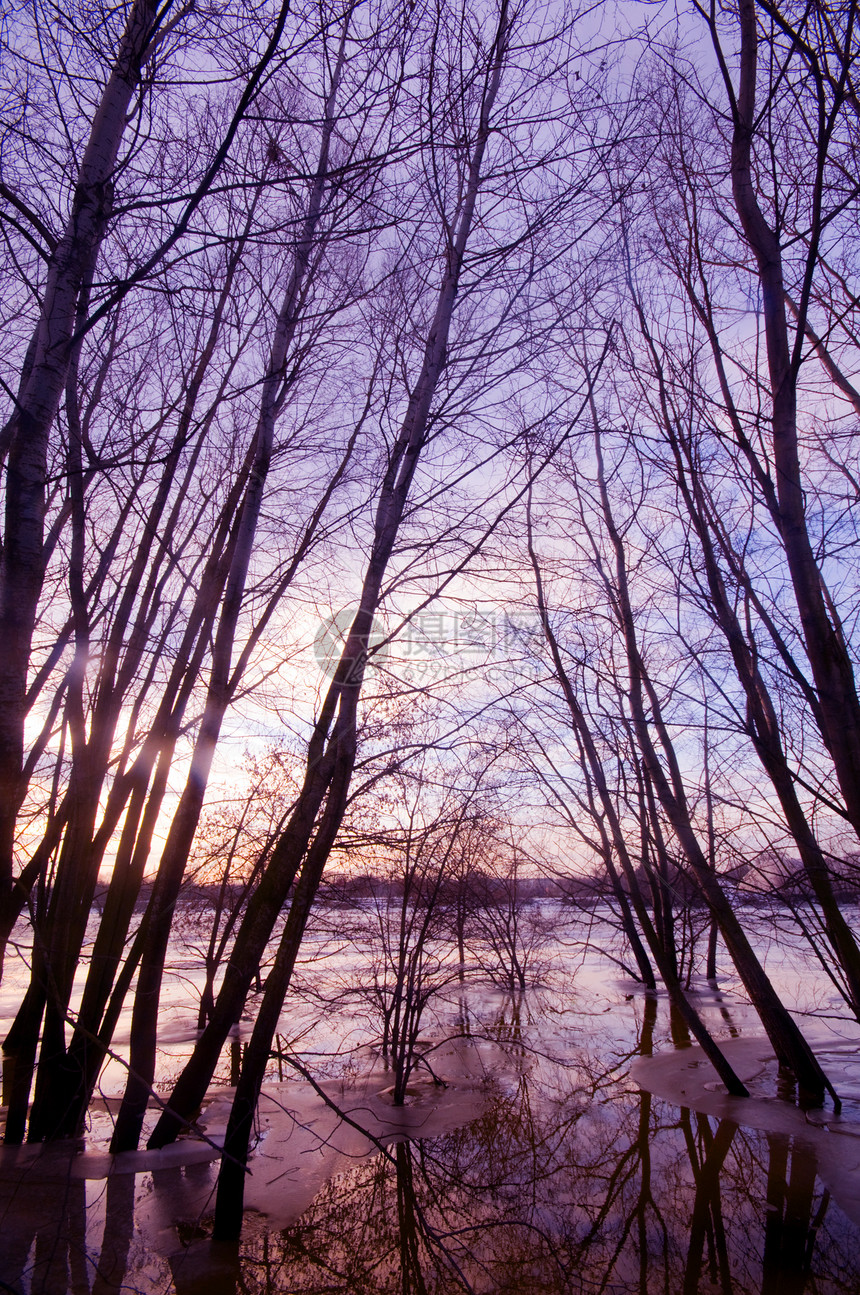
(571, 1179)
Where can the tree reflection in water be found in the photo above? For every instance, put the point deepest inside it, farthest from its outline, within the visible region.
(572, 1180)
(596, 1187)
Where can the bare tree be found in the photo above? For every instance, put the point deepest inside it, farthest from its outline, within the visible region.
(399, 929)
(458, 190)
(53, 352)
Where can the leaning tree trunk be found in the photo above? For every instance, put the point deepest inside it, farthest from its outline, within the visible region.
(348, 680)
(53, 1106)
(832, 668)
(789, 1044)
(664, 959)
(70, 271)
(27, 433)
(628, 924)
(762, 720)
(763, 728)
(222, 682)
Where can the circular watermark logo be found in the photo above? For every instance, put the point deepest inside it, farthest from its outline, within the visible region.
(331, 636)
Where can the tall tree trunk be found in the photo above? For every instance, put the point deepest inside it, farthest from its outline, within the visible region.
(664, 959)
(56, 1107)
(348, 680)
(222, 683)
(832, 669)
(69, 274)
(789, 1044)
(762, 720)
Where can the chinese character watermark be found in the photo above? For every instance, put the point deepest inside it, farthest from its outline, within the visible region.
(431, 644)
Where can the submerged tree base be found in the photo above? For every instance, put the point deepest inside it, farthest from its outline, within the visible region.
(520, 1174)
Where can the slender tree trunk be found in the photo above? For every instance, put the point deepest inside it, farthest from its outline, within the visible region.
(711, 964)
(832, 669)
(62, 1088)
(659, 867)
(222, 684)
(348, 679)
(790, 1046)
(231, 1178)
(762, 721)
(57, 1106)
(71, 267)
(664, 961)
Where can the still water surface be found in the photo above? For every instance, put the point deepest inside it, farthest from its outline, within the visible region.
(580, 1146)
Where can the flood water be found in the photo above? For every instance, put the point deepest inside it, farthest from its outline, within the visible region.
(580, 1145)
